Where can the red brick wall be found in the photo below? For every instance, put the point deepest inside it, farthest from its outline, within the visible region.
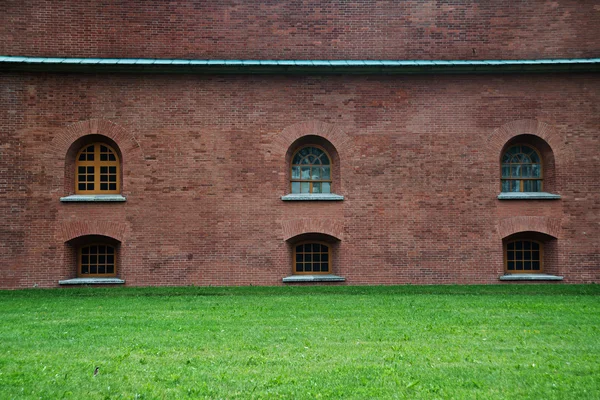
(204, 166)
(284, 29)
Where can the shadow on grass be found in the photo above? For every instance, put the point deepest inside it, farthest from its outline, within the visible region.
(455, 290)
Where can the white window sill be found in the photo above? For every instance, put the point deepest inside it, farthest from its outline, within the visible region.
(84, 198)
(528, 196)
(530, 277)
(91, 281)
(312, 197)
(313, 278)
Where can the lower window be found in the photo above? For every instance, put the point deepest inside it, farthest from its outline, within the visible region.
(97, 260)
(312, 258)
(523, 256)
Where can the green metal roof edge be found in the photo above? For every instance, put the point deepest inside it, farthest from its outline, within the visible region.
(151, 65)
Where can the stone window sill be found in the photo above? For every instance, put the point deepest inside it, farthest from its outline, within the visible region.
(313, 278)
(530, 277)
(92, 281)
(528, 196)
(84, 198)
(312, 197)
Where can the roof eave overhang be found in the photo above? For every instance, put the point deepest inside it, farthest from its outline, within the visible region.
(304, 67)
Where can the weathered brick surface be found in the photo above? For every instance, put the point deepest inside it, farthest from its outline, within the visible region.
(204, 166)
(286, 29)
(205, 157)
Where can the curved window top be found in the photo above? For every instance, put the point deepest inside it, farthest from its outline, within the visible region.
(521, 169)
(97, 170)
(311, 171)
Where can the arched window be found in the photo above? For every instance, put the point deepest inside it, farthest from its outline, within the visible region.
(96, 260)
(523, 256)
(97, 170)
(311, 171)
(312, 258)
(521, 169)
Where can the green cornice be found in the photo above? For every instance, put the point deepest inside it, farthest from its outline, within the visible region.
(305, 67)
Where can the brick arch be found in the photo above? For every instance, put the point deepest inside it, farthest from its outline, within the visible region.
(547, 225)
(500, 136)
(295, 227)
(70, 230)
(128, 144)
(338, 138)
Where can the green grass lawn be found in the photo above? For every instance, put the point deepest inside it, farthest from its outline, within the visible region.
(414, 342)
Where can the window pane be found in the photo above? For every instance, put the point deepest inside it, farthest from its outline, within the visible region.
(307, 257)
(515, 170)
(510, 255)
(297, 158)
(295, 187)
(90, 170)
(299, 257)
(316, 173)
(518, 245)
(104, 170)
(82, 157)
(81, 170)
(505, 171)
(526, 255)
(110, 269)
(317, 187)
(510, 246)
(527, 265)
(526, 171)
(299, 249)
(511, 265)
(505, 186)
(316, 257)
(104, 157)
(325, 173)
(93, 269)
(326, 187)
(110, 250)
(84, 269)
(519, 265)
(535, 170)
(112, 170)
(104, 186)
(81, 186)
(111, 157)
(535, 265)
(515, 186)
(304, 187)
(324, 257)
(526, 245)
(534, 157)
(90, 186)
(85, 259)
(295, 172)
(305, 173)
(110, 259)
(325, 159)
(528, 186)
